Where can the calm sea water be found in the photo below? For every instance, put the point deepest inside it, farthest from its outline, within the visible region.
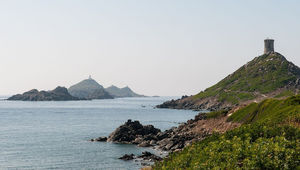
(55, 135)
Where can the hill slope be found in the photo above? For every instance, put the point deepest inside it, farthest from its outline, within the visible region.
(89, 89)
(269, 75)
(121, 92)
(268, 139)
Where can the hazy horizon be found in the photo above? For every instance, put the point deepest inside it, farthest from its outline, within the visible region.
(167, 48)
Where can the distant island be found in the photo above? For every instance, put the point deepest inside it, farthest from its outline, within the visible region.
(91, 89)
(122, 92)
(58, 94)
(87, 89)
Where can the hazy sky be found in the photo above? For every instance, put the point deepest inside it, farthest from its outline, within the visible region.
(156, 47)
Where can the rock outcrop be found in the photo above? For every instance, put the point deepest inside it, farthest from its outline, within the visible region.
(132, 132)
(174, 139)
(146, 158)
(58, 94)
(99, 139)
(149, 156)
(127, 157)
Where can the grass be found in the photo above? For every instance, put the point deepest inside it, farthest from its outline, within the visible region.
(270, 110)
(216, 114)
(285, 93)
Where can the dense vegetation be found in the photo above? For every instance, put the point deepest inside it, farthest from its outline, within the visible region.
(262, 75)
(268, 139)
(216, 114)
(271, 111)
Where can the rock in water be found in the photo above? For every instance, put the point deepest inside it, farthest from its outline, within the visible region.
(149, 156)
(127, 157)
(132, 130)
(100, 139)
(58, 94)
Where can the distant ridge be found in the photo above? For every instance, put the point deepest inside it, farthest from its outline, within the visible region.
(58, 94)
(89, 89)
(122, 92)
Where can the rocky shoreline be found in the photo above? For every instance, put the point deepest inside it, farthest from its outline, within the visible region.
(188, 103)
(172, 140)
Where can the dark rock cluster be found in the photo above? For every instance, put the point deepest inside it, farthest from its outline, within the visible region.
(146, 156)
(127, 157)
(99, 139)
(172, 140)
(132, 132)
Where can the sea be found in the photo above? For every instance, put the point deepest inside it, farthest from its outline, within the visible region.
(56, 134)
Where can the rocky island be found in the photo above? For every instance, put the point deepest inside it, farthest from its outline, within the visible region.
(89, 89)
(58, 94)
(122, 92)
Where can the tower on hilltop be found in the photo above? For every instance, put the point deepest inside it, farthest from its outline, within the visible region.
(269, 46)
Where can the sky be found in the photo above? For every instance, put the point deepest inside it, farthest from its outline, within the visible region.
(157, 47)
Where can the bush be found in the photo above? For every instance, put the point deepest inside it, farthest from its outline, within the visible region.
(256, 146)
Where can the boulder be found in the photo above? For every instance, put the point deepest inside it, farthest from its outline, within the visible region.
(149, 156)
(144, 144)
(127, 157)
(132, 132)
(99, 139)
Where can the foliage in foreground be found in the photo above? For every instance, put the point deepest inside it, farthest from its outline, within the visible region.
(269, 139)
(248, 147)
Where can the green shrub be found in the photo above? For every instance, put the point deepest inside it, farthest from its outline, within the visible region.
(215, 114)
(256, 146)
(270, 110)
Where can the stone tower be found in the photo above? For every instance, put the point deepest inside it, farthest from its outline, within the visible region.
(269, 45)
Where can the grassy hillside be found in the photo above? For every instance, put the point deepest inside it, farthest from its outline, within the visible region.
(262, 75)
(269, 139)
(271, 111)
